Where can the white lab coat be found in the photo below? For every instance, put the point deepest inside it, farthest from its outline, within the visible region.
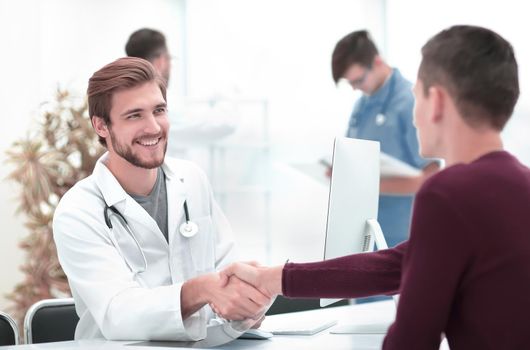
(111, 300)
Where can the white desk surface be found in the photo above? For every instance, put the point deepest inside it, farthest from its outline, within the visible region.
(352, 314)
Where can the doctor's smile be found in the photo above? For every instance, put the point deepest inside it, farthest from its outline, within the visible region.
(149, 143)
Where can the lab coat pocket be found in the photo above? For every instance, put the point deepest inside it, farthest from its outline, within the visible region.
(202, 246)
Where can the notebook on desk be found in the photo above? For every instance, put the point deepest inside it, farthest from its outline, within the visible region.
(298, 326)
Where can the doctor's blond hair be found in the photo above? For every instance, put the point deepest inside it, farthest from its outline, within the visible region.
(124, 73)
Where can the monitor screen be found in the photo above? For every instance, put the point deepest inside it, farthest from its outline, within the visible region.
(353, 198)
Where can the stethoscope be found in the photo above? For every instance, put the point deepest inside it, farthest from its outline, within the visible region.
(380, 118)
(187, 229)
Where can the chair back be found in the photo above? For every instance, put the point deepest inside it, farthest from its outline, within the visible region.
(8, 330)
(50, 320)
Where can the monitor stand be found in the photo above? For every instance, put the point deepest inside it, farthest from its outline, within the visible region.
(374, 231)
(374, 236)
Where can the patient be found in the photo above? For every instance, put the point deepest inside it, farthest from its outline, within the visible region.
(465, 270)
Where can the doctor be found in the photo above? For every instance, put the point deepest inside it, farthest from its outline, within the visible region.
(141, 239)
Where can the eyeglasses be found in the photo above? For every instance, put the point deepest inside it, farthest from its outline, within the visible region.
(359, 81)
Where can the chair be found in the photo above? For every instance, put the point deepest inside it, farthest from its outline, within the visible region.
(8, 330)
(50, 320)
(283, 305)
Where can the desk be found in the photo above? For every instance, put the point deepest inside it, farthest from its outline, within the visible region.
(359, 314)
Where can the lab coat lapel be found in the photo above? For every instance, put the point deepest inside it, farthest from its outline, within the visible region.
(176, 195)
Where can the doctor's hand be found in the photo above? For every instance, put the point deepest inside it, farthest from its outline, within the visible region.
(232, 298)
(267, 279)
(236, 299)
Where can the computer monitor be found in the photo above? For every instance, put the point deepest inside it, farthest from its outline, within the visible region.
(353, 200)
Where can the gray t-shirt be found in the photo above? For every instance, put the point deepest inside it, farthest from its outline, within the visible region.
(156, 202)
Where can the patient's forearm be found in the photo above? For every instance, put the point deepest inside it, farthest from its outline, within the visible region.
(352, 276)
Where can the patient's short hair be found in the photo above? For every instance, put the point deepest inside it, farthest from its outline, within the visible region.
(479, 70)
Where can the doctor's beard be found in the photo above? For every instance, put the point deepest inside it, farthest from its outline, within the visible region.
(127, 153)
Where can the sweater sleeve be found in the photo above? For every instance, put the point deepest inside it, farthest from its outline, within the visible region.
(437, 256)
(351, 276)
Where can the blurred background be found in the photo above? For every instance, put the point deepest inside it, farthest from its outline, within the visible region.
(261, 65)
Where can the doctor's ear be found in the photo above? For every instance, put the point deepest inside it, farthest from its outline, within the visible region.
(377, 61)
(100, 126)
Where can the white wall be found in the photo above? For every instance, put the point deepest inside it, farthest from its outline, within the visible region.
(18, 74)
(50, 43)
(281, 51)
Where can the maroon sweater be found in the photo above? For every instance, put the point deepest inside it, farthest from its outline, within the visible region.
(465, 271)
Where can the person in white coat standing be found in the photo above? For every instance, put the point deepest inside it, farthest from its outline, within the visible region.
(141, 239)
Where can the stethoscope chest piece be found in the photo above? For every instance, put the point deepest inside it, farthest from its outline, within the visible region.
(380, 119)
(188, 229)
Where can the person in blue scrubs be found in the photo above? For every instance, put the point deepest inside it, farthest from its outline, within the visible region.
(384, 114)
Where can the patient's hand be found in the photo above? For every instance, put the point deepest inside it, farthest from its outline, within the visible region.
(267, 279)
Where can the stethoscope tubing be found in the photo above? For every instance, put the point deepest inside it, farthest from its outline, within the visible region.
(129, 231)
(187, 229)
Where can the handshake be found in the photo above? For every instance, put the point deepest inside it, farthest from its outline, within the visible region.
(245, 291)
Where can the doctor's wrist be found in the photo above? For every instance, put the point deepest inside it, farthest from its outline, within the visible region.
(196, 293)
